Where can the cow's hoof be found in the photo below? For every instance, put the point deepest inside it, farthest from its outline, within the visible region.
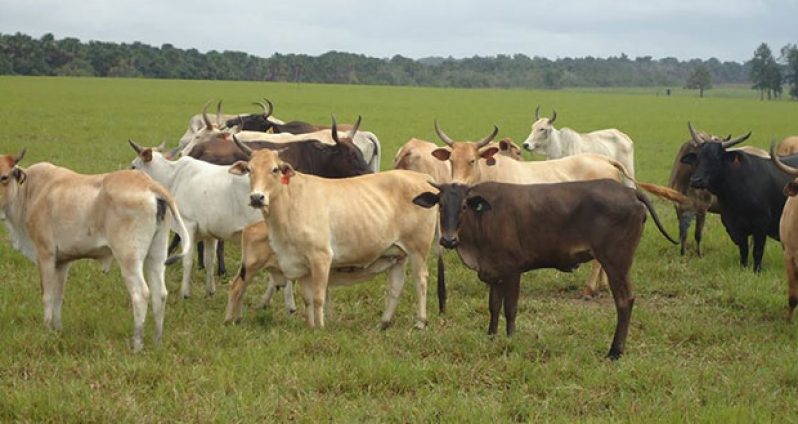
(136, 345)
(291, 311)
(384, 325)
(420, 325)
(614, 355)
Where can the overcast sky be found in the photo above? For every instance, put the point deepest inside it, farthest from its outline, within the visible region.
(725, 29)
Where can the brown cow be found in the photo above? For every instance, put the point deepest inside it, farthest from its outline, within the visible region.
(788, 232)
(56, 216)
(503, 230)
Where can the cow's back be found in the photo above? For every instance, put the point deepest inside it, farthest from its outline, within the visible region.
(416, 155)
(570, 168)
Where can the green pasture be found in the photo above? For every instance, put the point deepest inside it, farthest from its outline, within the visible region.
(708, 340)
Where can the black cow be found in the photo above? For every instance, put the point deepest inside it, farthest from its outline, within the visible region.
(260, 122)
(748, 189)
(503, 230)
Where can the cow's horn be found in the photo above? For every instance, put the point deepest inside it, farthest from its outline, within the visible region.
(738, 140)
(779, 164)
(697, 140)
(219, 113)
(205, 118)
(489, 138)
(241, 146)
(353, 131)
(334, 130)
(553, 116)
(19, 156)
(537, 113)
(442, 134)
(268, 108)
(437, 186)
(135, 146)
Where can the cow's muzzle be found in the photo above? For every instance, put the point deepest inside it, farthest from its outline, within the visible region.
(257, 200)
(698, 182)
(449, 242)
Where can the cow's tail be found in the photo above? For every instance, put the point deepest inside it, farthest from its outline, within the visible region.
(643, 198)
(441, 273)
(165, 199)
(375, 164)
(657, 190)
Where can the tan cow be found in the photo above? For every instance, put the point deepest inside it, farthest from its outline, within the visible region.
(788, 232)
(788, 146)
(360, 225)
(56, 216)
(475, 162)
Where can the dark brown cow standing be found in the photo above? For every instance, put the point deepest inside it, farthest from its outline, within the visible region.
(503, 230)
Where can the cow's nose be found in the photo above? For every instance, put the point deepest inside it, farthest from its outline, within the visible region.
(449, 242)
(698, 182)
(527, 146)
(256, 200)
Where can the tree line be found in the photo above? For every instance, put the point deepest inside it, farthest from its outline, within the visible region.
(21, 54)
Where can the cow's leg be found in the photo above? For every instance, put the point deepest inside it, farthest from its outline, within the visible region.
(618, 271)
(220, 268)
(277, 281)
(593, 281)
(188, 258)
(418, 266)
(700, 218)
(174, 243)
(53, 281)
(132, 272)
(495, 298)
(510, 288)
(200, 255)
(314, 289)
(155, 267)
(792, 283)
(759, 250)
(396, 281)
(684, 227)
(209, 254)
(742, 245)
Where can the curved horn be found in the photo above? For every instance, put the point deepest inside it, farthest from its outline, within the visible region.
(353, 131)
(553, 116)
(697, 140)
(219, 113)
(135, 146)
(738, 140)
(537, 113)
(489, 138)
(161, 146)
(437, 186)
(779, 164)
(268, 113)
(241, 146)
(19, 156)
(334, 130)
(442, 134)
(205, 118)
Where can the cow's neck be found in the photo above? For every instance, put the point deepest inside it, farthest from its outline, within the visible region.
(14, 219)
(166, 171)
(282, 202)
(555, 147)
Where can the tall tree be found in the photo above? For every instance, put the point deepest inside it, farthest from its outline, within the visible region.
(699, 79)
(765, 73)
(789, 54)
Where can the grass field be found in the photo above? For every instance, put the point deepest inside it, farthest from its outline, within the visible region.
(708, 340)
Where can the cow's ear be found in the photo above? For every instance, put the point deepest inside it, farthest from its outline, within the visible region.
(287, 170)
(488, 154)
(689, 159)
(146, 155)
(442, 153)
(505, 145)
(427, 199)
(791, 189)
(19, 174)
(478, 204)
(734, 157)
(239, 168)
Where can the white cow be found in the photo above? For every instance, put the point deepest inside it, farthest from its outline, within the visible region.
(212, 201)
(548, 141)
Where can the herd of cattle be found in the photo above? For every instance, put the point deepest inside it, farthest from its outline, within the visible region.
(310, 205)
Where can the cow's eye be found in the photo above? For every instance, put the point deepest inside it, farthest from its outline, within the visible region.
(472, 161)
(276, 170)
(3, 179)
